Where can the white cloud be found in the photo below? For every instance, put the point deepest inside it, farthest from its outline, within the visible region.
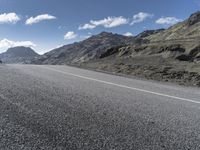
(128, 34)
(168, 20)
(87, 26)
(11, 18)
(39, 18)
(108, 22)
(5, 43)
(140, 17)
(70, 35)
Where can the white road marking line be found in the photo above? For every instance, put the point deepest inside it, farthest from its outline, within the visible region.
(124, 86)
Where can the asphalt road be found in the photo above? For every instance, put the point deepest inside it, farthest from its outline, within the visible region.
(66, 108)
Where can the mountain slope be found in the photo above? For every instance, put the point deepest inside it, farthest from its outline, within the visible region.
(86, 50)
(190, 28)
(18, 55)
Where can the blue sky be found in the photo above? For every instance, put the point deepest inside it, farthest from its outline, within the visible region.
(46, 24)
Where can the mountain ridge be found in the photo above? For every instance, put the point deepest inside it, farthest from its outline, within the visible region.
(86, 50)
(181, 30)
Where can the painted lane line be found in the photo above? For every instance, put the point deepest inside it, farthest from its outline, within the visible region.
(123, 86)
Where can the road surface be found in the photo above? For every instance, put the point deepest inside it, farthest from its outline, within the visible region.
(66, 108)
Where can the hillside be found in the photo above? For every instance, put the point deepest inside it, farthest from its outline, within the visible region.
(86, 50)
(19, 55)
(189, 29)
(171, 55)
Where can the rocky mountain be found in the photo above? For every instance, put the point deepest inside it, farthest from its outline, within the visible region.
(180, 42)
(86, 50)
(20, 55)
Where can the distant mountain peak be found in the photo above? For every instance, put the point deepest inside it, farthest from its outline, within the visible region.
(18, 48)
(104, 33)
(21, 51)
(18, 54)
(194, 18)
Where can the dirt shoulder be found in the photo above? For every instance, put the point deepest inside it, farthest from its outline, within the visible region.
(151, 68)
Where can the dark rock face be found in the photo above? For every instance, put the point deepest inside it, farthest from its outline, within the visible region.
(173, 48)
(184, 57)
(18, 55)
(110, 51)
(194, 18)
(194, 52)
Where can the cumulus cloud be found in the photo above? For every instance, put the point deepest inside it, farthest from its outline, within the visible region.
(39, 18)
(70, 35)
(87, 26)
(108, 22)
(5, 43)
(168, 20)
(10, 18)
(140, 17)
(128, 34)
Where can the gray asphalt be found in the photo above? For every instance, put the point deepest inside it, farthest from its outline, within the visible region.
(66, 108)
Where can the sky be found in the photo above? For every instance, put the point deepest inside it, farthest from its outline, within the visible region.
(48, 24)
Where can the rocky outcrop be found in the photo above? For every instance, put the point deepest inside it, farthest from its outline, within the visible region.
(194, 18)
